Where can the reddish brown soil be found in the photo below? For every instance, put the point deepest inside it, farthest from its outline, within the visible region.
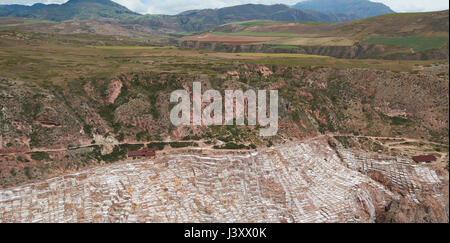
(230, 39)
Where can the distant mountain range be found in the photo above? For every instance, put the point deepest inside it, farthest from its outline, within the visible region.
(359, 8)
(79, 9)
(199, 20)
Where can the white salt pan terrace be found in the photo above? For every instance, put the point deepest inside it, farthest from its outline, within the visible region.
(295, 183)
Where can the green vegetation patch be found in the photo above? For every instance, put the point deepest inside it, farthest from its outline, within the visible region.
(345, 141)
(235, 146)
(269, 23)
(281, 55)
(284, 47)
(418, 43)
(256, 23)
(39, 156)
(27, 22)
(127, 47)
(157, 145)
(34, 139)
(131, 147)
(255, 34)
(400, 121)
(309, 22)
(440, 148)
(183, 33)
(183, 144)
(118, 154)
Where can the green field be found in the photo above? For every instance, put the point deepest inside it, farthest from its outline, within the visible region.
(313, 41)
(255, 23)
(268, 23)
(284, 47)
(256, 34)
(289, 55)
(127, 47)
(417, 43)
(27, 22)
(183, 33)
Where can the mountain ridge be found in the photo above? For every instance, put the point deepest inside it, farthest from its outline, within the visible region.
(192, 20)
(199, 20)
(73, 9)
(360, 8)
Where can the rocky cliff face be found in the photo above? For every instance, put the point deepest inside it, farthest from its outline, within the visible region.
(298, 182)
(435, 54)
(357, 51)
(421, 192)
(47, 131)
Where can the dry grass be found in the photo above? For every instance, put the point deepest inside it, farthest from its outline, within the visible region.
(50, 61)
(128, 47)
(314, 41)
(279, 55)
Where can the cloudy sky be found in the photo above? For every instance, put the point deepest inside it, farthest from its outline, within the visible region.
(176, 6)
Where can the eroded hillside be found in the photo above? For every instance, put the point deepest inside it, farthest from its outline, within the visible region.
(72, 106)
(419, 36)
(100, 120)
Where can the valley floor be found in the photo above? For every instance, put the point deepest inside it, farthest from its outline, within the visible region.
(77, 96)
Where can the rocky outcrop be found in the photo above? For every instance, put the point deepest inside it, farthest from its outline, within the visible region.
(312, 100)
(113, 91)
(35, 117)
(422, 194)
(357, 51)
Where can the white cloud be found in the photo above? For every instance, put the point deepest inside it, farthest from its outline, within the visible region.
(415, 5)
(177, 6)
(30, 2)
(135, 5)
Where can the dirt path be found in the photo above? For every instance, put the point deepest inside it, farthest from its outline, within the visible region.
(397, 143)
(209, 147)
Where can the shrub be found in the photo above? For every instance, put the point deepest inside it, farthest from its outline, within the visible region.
(157, 146)
(39, 156)
(116, 155)
(34, 139)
